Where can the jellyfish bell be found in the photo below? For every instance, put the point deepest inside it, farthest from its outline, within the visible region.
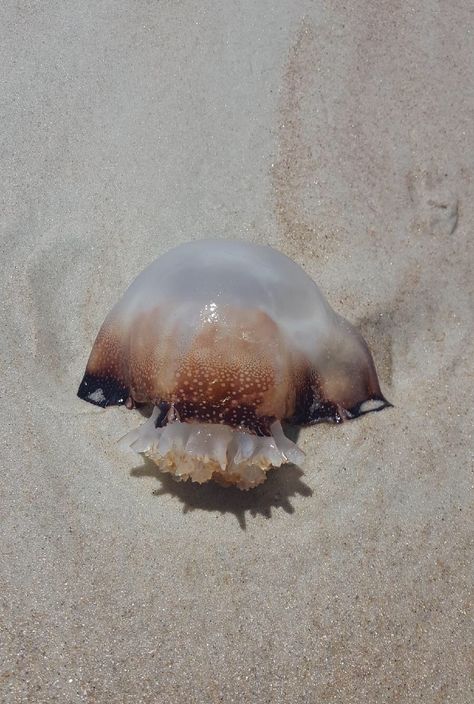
(227, 340)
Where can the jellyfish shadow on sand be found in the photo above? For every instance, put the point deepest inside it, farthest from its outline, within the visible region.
(282, 484)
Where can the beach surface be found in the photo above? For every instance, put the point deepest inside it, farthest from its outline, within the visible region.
(341, 133)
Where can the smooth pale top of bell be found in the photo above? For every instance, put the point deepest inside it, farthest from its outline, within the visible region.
(199, 279)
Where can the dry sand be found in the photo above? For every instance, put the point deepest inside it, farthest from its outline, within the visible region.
(343, 134)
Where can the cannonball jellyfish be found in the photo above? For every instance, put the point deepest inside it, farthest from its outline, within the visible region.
(227, 340)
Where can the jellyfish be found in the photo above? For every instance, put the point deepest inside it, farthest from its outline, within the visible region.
(229, 342)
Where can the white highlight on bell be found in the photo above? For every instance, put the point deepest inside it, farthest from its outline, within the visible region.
(371, 405)
(97, 396)
(203, 451)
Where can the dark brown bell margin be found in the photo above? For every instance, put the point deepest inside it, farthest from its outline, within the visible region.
(242, 416)
(313, 408)
(102, 391)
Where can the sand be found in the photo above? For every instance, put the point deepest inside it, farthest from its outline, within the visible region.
(341, 133)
